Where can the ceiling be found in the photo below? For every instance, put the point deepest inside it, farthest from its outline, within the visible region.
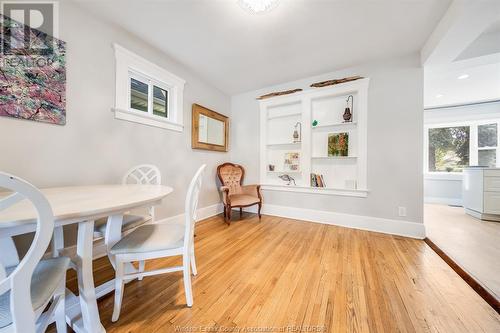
(480, 62)
(443, 86)
(237, 51)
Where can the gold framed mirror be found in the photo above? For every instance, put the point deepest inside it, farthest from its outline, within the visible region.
(209, 129)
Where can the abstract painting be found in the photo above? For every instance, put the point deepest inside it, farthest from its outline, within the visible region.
(32, 84)
(338, 144)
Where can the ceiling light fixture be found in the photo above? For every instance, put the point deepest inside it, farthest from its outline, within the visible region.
(258, 6)
(439, 95)
(463, 76)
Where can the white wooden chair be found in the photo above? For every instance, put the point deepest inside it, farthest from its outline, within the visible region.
(27, 287)
(144, 174)
(158, 241)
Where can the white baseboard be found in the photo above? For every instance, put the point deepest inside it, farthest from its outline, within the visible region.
(202, 213)
(369, 223)
(443, 200)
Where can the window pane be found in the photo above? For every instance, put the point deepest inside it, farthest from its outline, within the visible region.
(487, 157)
(487, 135)
(448, 148)
(160, 102)
(138, 95)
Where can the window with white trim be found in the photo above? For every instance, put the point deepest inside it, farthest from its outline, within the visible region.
(451, 147)
(147, 93)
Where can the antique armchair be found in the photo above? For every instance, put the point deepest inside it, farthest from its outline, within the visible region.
(234, 194)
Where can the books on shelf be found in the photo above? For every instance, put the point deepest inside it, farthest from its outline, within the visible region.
(317, 180)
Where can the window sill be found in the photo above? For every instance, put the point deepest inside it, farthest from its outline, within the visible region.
(443, 176)
(147, 119)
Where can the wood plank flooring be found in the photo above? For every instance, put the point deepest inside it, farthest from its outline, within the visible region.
(278, 274)
(473, 244)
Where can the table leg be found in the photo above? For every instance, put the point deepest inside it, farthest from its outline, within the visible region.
(87, 296)
(57, 241)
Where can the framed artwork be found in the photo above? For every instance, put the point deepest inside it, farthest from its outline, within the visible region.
(338, 144)
(291, 162)
(32, 80)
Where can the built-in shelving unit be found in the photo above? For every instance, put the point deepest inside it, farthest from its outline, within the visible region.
(342, 175)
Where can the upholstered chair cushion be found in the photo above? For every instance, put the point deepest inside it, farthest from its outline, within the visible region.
(45, 280)
(150, 238)
(243, 200)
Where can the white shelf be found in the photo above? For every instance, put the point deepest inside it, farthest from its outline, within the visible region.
(334, 157)
(278, 120)
(296, 144)
(363, 193)
(350, 124)
(285, 115)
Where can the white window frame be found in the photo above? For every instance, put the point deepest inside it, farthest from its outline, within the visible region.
(130, 65)
(151, 83)
(473, 146)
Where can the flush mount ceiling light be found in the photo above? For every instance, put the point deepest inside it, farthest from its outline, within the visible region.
(258, 6)
(463, 76)
(439, 95)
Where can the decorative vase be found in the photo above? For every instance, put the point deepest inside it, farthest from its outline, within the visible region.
(347, 115)
(297, 133)
(348, 110)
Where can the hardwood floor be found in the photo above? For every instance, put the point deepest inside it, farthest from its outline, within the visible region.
(279, 273)
(473, 244)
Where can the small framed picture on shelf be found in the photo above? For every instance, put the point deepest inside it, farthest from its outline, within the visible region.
(338, 144)
(292, 161)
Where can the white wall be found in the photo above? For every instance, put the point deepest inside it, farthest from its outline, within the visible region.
(447, 189)
(94, 147)
(395, 119)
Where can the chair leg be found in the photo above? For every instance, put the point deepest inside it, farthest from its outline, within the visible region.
(187, 280)
(241, 211)
(193, 264)
(142, 266)
(118, 290)
(60, 312)
(224, 211)
(260, 207)
(228, 221)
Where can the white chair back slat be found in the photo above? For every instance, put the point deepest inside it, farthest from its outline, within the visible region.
(144, 174)
(192, 198)
(19, 281)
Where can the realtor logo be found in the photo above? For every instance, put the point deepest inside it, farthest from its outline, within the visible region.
(29, 28)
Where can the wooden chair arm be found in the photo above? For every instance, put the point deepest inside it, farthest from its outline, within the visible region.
(225, 194)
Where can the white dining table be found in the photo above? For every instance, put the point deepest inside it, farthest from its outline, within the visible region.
(82, 205)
